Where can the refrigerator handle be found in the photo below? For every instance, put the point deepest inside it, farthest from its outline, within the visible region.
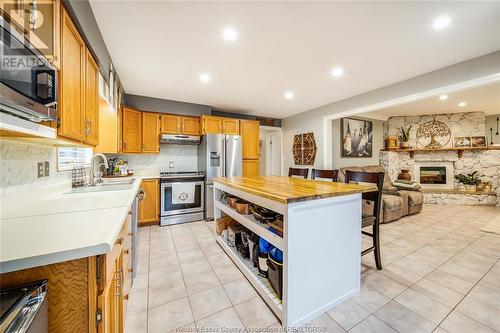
(224, 157)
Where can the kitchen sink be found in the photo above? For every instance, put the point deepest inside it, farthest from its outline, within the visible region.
(107, 185)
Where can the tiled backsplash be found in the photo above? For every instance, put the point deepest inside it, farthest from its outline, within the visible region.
(184, 158)
(18, 166)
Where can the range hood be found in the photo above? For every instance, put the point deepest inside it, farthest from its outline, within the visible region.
(180, 139)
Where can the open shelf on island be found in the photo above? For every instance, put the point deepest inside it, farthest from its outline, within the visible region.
(260, 283)
(250, 223)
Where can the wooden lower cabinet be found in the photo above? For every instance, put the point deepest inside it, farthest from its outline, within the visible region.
(149, 207)
(87, 294)
(250, 168)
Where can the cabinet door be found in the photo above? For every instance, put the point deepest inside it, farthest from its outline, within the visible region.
(43, 29)
(250, 136)
(71, 81)
(231, 126)
(170, 124)
(110, 301)
(250, 168)
(15, 11)
(190, 126)
(212, 125)
(132, 131)
(91, 100)
(150, 132)
(149, 207)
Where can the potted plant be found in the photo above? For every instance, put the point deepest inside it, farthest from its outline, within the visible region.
(405, 136)
(470, 180)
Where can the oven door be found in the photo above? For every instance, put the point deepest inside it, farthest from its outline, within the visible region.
(168, 208)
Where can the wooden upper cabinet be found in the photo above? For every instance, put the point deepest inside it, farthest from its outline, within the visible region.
(71, 81)
(250, 168)
(149, 207)
(43, 29)
(91, 100)
(16, 12)
(190, 125)
(250, 136)
(150, 132)
(212, 125)
(132, 130)
(170, 124)
(231, 126)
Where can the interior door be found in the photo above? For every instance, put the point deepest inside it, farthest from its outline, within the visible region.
(233, 156)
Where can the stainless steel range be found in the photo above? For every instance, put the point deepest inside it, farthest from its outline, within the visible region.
(182, 197)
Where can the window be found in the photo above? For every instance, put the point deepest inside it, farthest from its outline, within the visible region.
(67, 158)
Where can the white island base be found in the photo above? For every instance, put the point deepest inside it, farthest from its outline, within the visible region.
(321, 252)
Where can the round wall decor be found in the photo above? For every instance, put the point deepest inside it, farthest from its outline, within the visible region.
(304, 149)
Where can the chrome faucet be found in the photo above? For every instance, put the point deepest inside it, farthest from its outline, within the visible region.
(95, 173)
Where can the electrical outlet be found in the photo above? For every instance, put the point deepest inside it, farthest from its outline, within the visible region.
(171, 164)
(46, 167)
(40, 169)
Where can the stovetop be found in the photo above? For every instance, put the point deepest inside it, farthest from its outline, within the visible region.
(182, 174)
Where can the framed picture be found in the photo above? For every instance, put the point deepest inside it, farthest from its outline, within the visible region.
(478, 141)
(357, 138)
(461, 142)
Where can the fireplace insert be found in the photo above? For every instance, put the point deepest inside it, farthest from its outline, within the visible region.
(433, 175)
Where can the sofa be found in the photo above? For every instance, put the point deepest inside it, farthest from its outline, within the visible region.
(395, 203)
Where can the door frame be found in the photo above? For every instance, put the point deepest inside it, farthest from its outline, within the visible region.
(280, 131)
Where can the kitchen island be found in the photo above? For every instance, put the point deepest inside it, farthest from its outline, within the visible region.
(321, 240)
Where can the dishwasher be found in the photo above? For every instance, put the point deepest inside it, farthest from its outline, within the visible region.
(24, 308)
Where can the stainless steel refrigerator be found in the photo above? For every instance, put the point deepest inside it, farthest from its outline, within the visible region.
(219, 155)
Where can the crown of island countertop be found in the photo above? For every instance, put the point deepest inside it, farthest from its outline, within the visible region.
(288, 190)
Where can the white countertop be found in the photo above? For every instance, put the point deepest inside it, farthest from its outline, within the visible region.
(48, 226)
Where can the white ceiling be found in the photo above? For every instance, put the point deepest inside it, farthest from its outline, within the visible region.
(483, 98)
(160, 48)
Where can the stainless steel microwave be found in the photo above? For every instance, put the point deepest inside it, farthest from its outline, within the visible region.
(28, 82)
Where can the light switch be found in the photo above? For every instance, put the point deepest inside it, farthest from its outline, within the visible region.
(46, 168)
(171, 164)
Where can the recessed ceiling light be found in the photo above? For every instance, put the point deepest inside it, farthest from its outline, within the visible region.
(338, 71)
(288, 95)
(443, 97)
(205, 78)
(462, 104)
(229, 34)
(441, 22)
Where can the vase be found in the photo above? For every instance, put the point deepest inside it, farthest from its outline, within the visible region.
(404, 175)
(470, 188)
(405, 144)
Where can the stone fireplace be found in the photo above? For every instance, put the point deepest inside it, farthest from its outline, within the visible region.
(434, 175)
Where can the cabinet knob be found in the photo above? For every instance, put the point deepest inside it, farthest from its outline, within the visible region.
(119, 241)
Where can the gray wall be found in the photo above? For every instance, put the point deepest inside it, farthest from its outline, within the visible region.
(378, 143)
(491, 122)
(83, 16)
(165, 106)
(312, 121)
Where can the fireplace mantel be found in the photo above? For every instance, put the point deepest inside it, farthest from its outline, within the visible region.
(460, 151)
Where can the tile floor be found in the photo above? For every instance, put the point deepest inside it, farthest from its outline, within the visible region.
(441, 274)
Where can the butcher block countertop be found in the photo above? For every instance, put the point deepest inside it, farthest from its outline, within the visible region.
(288, 190)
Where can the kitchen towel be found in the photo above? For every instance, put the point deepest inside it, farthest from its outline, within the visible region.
(183, 193)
